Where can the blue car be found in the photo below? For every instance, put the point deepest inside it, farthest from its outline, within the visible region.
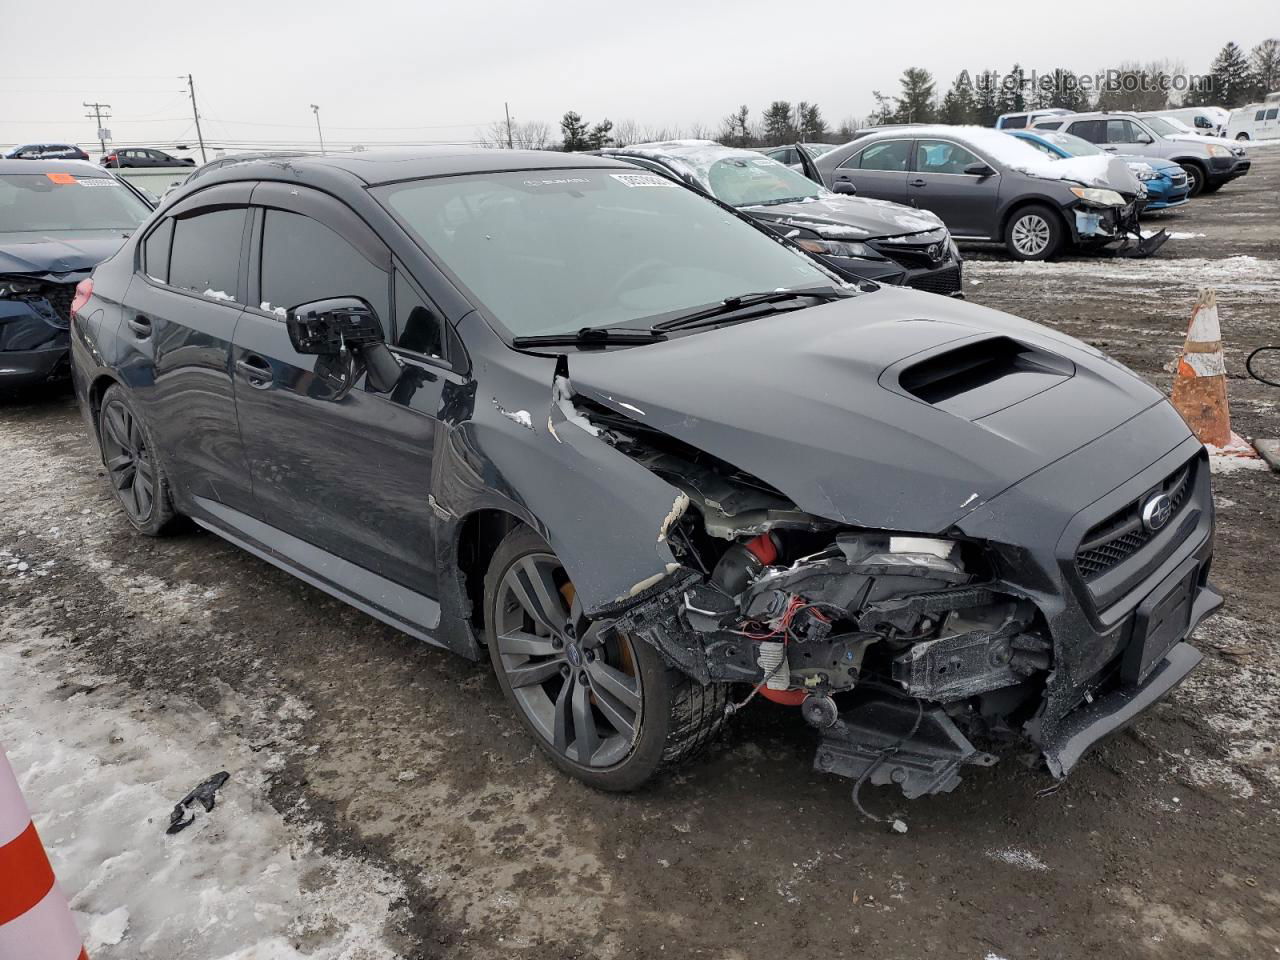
(58, 220)
(1166, 181)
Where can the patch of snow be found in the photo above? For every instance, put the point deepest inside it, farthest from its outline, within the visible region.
(101, 772)
(219, 295)
(1016, 857)
(1220, 464)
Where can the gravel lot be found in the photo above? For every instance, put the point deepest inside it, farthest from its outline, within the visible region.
(383, 801)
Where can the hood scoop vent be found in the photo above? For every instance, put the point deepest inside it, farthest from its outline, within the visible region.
(979, 377)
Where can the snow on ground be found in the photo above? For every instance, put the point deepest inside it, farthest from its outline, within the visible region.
(101, 768)
(1117, 278)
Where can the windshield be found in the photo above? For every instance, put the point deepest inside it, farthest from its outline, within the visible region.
(553, 251)
(1163, 127)
(1073, 145)
(58, 202)
(744, 181)
(818, 149)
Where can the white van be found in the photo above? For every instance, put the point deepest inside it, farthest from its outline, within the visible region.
(1257, 121)
(1019, 121)
(1206, 121)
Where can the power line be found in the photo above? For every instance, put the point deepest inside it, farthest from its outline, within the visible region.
(97, 114)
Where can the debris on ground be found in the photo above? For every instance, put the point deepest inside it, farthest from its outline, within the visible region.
(205, 793)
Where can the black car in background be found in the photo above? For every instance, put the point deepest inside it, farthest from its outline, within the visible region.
(46, 151)
(58, 220)
(144, 157)
(860, 238)
(648, 458)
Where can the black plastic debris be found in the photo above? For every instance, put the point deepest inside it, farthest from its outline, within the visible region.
(204, 792)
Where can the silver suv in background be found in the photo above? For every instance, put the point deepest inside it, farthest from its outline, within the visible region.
(1209, 166)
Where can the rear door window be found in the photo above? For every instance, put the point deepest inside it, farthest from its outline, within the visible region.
(1016, 122)
(206, 253)
(1092, 130)
(1259, 115)
(303, 261)
(1049, 124)
(155, 252)
(1272, 113)
(890, 155)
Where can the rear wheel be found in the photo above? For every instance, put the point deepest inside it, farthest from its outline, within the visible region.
(137, 479)
(603, 706)
(1033, 233)
(1242, 136)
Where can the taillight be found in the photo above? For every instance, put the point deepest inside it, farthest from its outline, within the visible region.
(84, 290)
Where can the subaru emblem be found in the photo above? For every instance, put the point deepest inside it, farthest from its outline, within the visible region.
(1156, 512)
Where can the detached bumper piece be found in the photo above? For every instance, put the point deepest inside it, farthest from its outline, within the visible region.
(891, 740)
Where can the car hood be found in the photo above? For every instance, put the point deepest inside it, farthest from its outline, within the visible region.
(1155, 163)
(50, 255)
(1203, 141)
(848, 408)
(847, 218)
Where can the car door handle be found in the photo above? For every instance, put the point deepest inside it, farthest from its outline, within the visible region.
(141, 327)
(918, 182)
(256, 370)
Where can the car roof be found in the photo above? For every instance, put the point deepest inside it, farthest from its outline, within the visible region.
(52, 166)
(376, 167)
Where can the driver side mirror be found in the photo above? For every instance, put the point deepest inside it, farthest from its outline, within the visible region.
(330, 328)
(1145, 138)
(978, 170)
(846, 187)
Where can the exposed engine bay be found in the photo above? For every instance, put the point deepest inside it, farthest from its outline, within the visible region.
(898, 649)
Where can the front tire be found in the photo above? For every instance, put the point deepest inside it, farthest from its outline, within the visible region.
(1033, 233)
(604, 707)
(1195, 179)
(138, 481)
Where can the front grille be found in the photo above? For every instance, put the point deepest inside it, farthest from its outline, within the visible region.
(945, 281)
(1179, 179)
(1116, 539)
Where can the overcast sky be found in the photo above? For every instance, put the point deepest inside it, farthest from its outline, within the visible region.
(383, 71)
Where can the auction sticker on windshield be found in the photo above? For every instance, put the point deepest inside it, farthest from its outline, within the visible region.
(642, 180)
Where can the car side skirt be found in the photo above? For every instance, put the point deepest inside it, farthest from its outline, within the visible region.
(395, 605)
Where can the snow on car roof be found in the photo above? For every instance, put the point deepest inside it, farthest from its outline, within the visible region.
(1021, 156)
(693, 158)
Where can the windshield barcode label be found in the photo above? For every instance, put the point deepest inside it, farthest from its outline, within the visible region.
(642, 180)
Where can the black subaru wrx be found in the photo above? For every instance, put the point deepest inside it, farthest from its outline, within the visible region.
(652, 460)
(58, 220)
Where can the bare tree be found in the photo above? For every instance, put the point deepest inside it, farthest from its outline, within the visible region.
(530, 135)
(699, 131)
(626, 132)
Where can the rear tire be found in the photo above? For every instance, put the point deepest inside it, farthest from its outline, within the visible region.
(138, 481)
(1034, 232)
(637, 714)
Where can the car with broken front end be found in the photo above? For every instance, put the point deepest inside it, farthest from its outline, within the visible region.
(861, 239)
(58, 220)
(653, 461)
(988, 187)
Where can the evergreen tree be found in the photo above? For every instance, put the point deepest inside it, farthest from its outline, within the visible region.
(574, 131)
(601, 135)
(1067, 92)
(987, 104)
(1233, 82)
(1264, 64)
(1012, 96)
(958, 105)
(916, 104)
(777, 123)
(811, 126)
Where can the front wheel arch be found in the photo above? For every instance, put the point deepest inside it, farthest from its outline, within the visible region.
(1056, 215)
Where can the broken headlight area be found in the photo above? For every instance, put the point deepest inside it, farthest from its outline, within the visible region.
(901, 650)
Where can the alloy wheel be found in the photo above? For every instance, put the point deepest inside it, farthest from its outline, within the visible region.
(128, 461)
(579, 690)
(1031, 235)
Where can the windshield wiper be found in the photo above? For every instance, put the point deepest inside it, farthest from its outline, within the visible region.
(591, 337)
(745, 301)
(771, 203)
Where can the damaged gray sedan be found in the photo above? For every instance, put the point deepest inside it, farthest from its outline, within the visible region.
(652, 460)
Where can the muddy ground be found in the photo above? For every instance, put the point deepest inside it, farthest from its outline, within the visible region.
(1164, 843)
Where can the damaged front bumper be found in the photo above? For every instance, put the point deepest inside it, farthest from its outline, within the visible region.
(1116, 228)
(34, 342)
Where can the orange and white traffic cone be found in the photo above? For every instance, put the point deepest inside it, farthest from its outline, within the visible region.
(1200, 386)
(35, 920)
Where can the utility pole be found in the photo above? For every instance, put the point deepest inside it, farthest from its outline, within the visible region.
(98, 115)
(191, 85)
(507, 109)
(316, 110)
